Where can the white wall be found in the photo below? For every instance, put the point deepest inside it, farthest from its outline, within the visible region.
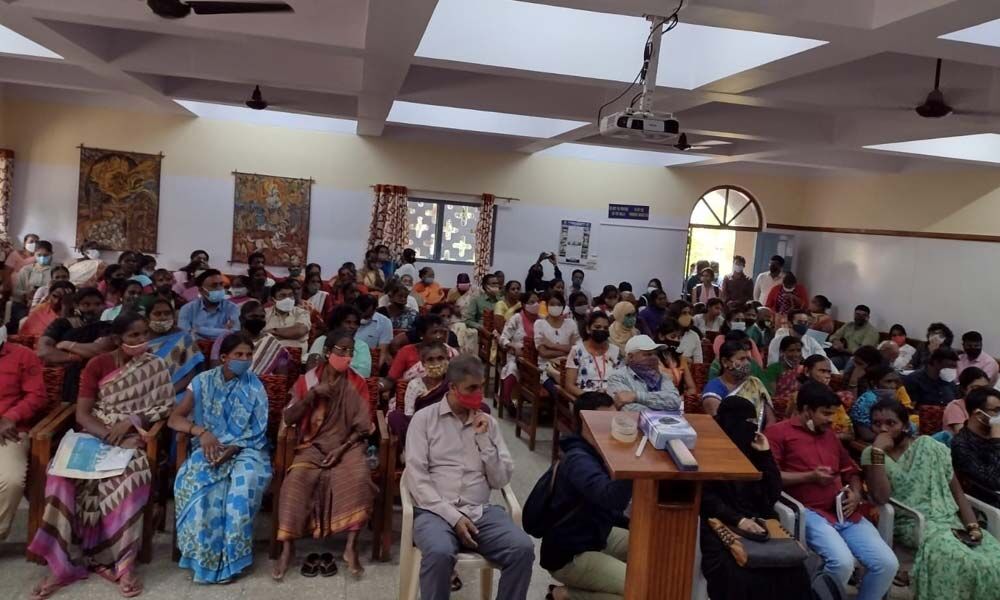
(907, 280)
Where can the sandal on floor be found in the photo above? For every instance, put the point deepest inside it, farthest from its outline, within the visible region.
(327, 565)
(456, 582)
(46, 588)
(902, 579)
(310, 566)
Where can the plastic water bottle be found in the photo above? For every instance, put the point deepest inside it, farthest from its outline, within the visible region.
(371, 457)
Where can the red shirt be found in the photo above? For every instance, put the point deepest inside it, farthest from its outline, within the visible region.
(407, 356)
(800, 292)
(798, 450)
(22, 389)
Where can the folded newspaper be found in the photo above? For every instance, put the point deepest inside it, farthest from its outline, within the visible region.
(83, 456)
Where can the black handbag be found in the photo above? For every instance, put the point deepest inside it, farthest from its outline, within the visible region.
(774, 549)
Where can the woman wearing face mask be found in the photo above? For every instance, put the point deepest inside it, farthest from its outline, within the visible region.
(673, 364)
(59, 297)
(397, 306)
(592, 359)
(429, 289)
(462, 294)
(607, 300)
(128, 292)
(511, 301)
(579, 307)
(270, 356)
(906, 352)
(782, 377)
(918, 472)
(706, 290)
(316, 298)
(519, 327)
(122, 394)
(955, 414)
(690, 341)
(790, 295)
(737, 505)
(239, 292)
(328, 488)
(655, 311)
(640, 384)
(224, 411)
(887, 385)
(652, 287)
(371, 275)
(18, 259)
(349, 318)
(554, 336)
(178, 349)
(736, 380)
(623, 324)
(87, 270)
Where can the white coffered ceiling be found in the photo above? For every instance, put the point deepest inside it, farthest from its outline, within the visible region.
(805, 86)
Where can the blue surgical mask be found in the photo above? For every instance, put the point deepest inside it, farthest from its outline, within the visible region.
(216, 296)
(239, 367)
(44, 260)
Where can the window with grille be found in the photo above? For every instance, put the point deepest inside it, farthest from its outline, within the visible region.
(727, 207)
(443, 231)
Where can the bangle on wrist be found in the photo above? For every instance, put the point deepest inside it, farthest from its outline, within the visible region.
(972, 527)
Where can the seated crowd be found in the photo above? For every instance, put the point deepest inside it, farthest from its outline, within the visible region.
(829, 414)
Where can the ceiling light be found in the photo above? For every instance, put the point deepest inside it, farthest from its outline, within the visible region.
(12, 42)
(629, 156)
(987, 34)
(566, 41)
(275, 118)
(467, 119)
(979, 147)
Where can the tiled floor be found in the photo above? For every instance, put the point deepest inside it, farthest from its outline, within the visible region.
(165, 581)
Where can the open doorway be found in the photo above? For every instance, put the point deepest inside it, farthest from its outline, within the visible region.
(724, 223)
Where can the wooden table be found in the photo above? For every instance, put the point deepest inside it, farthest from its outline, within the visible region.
(665, 501)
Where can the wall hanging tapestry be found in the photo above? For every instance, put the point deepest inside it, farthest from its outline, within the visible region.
(271, 215)
(118, 200)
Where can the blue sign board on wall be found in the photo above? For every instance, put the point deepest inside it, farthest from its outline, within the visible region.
(634, 212)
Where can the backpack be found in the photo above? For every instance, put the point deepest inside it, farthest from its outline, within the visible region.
(536, 517)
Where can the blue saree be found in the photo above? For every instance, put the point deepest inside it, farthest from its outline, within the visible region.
(181, 353)
(216, 506)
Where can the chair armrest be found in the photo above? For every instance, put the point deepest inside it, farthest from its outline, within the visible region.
(513, 506)
(183, 446)
(991, 513)
(383, 426)
(787, 506)
(886, 523)
(156, 429)
(916, 514)
(56, 422)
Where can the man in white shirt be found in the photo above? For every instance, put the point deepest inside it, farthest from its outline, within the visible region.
(767, 280)
(799, 320)
(455, 457)
(287, 322)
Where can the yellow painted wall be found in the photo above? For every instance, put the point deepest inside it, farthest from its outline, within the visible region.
(49, 133)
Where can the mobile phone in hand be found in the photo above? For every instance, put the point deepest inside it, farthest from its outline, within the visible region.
(964, 537)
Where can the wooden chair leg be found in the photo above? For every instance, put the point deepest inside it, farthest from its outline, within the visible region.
(555, 440)
(535, 405)
(148, 528)
(274, 546)
(377, 526)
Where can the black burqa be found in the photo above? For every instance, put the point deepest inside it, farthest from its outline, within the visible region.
(731, 501)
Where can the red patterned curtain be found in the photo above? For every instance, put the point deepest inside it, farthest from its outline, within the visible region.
(388, 224)
(6, 189)
(484, 236)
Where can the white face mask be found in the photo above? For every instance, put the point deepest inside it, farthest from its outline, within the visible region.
(238, 292)
(737, 268)
(30, 247)
(651, 289)
(948, 375)
(285, 305)
(365, 322)
(738, 326)
(93, 254)
(555, 311)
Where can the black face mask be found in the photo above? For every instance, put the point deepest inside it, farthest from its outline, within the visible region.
(255, 325)
(800, 328)
(164, 289)
(600, 335)
(973, 353)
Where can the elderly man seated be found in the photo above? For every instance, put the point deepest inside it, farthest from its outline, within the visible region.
(455, 457)
(640, 385)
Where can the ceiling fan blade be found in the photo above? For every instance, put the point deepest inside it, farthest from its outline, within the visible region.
(237, 8)
(976, 113)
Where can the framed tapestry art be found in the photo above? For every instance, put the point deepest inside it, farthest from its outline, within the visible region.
(118, 199)
(271, 215)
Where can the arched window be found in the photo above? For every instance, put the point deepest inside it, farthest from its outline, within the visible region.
(727, 207)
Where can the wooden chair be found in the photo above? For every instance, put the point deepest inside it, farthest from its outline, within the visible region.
(930, 418)
(206, 348)
(707, 350)
(486, 343)
(501, 360)
(564, 417)
(531, 395)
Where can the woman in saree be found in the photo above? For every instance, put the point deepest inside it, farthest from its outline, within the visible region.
(38, 320)
(87, 270)
(918, 472)
(219, 488)
(736, 380)
(96, 524)
(177, 348)
(328, 487)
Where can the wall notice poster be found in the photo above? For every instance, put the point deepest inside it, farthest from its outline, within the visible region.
(574, 242)
(118, 200)
(271, 215)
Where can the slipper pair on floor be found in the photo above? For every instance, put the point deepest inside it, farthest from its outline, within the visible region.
(319, 564)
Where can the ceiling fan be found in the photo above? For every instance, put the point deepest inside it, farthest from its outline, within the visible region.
(256, 100)
(176, 9)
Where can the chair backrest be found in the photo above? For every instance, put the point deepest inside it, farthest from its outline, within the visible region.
(376, 355)
(699, 372)
(373, 398)
(707, 350)
(206, 348)
(28, 341)
(930, 418)
(295, 362)
(55, 379)
(488, 320)
(401, 393)
(837, 382)
(278, 397)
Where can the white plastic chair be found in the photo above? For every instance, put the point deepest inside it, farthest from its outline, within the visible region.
(991, 513)
(409, 555)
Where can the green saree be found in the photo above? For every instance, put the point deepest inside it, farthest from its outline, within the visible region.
(943, 567)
